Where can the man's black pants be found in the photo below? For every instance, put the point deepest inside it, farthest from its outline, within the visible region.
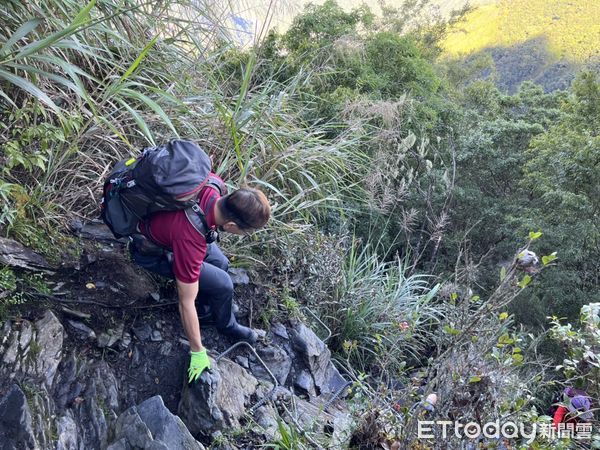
(215, 288)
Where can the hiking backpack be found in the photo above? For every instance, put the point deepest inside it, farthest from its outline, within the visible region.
(563, 397)
(164, 178)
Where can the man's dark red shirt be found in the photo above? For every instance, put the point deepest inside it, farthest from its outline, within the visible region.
(173, 230)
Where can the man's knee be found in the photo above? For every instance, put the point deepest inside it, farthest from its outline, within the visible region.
(224, 264)
(219, 285)
(215, 282)
(216, 257)
(224, 284)
(160, 265)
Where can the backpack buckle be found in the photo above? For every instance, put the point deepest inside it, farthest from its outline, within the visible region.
(130, 184)
(196, 208)
(212, 236)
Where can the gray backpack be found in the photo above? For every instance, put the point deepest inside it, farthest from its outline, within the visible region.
(164, 178)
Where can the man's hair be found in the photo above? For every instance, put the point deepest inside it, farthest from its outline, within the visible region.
(247, 207)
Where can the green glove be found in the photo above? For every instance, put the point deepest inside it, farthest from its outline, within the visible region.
(198, 363)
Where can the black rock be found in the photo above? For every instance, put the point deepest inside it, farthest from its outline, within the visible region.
(242, 361)
(136, 356)
(16, 430)
(165, 348)
(82, 330)
(67, 387)
(278, 329)
(305, 382)
(125, 341)
(276, 359)
(94, 229)
(142, 332)
(218, 400)
(16, 255)
(239, 275)
(156, 336)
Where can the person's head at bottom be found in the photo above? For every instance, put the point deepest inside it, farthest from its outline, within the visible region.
(243, 211)
(579, 407)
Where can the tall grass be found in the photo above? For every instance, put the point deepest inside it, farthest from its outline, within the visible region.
(110, 77)
(97, 75)
(380, 318)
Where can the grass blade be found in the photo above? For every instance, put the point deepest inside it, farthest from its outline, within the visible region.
(84, 14)
(37, 46)
(139, 120)
(19, 34)
(50, 76)
(139, 59)
(29, 87)
(152, 105)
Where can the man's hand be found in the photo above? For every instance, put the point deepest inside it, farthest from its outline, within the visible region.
(198, 363)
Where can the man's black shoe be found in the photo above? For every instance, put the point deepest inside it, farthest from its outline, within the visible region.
(239, 332)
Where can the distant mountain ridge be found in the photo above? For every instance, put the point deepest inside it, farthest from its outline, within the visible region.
(546, 41)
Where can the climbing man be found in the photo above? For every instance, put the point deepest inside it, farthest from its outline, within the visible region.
(200, 269)
(171, 206)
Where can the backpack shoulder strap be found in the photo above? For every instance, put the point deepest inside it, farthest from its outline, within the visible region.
(197, 218)
(215, 182)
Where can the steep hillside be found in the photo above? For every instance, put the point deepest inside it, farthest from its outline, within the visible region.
(425, 235)
(570, 27)
(542, 40)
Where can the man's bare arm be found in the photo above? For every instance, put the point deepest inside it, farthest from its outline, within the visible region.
(189, 317)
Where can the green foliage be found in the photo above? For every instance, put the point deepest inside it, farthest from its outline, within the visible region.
(291, 306)
(397, 62)
(9, 295)
(352, 128)
(569, 27)
(586, 90)
(320, 25)
(562, 164)
(37, 283)
(8, 279)
(377, 313)
(290, 438)
(27, 153)
(547, 259)
(150, 81)
(30, 143)
(351, 58)
(509, 145)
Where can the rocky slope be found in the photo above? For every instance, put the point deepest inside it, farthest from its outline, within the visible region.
(99, 364)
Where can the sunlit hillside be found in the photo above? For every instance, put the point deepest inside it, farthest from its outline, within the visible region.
(255, 14)
(570, 28)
